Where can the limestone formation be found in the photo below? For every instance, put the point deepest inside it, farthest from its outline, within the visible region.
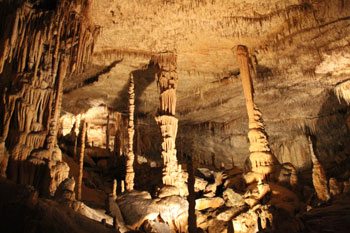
(114, 189)
(167, 79)
(138, 207)
(262, 161)
(81, 158)
(319, 178)
(44, 48)
(209, 202)
(334, 187)
(130, 174)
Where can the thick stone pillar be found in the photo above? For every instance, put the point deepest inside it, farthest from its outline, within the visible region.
(262, 161)
(130, 174)
(167, 79)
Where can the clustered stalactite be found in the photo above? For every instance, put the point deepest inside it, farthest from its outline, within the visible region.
(39, 49)
(167, 79)
(130, 174)
(262, 160)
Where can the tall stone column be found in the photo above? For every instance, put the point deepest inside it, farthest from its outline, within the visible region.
(167, 79)
(130, 174)
(81, 158)
(263, 162)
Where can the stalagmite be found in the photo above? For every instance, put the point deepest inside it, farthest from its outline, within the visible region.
(52, 137)
(81, 158)
(167, 79)
(130, 174)
(122, 186)
(107, 130)
(319, 178)
(263, 162)
(114, 189)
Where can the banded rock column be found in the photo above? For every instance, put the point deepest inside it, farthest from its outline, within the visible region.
(167, 79)
(263, 162)
(130, 174)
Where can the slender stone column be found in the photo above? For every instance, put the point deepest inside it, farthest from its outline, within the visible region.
(107, 130)
(130, 174)
(167, 79)
(81, 158)
(261, 158)
(53, 130)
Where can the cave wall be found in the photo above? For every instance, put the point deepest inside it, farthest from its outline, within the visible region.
(42, 44)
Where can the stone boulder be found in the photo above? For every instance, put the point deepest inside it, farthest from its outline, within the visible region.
(232, 198)
(136, 207)
(200, 184)
(205, 203)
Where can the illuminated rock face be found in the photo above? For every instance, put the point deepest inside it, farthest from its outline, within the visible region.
(166, 78)
(262, 161)
(41, 58)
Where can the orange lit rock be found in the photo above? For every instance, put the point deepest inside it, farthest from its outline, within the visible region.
(205, 203)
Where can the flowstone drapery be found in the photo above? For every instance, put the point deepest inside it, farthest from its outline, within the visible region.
(40, 48)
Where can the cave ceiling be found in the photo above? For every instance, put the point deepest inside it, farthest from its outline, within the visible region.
(299, 50)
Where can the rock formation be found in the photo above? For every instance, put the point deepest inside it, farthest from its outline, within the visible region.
(44, 47)
(262, 161)
(130, 174)
(319, 178)
(167, 79)
(83, 125)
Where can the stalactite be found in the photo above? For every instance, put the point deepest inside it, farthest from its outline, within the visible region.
(167, 79)
(130, 174)
(81, 158)
(35, 49)
(261, 158)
